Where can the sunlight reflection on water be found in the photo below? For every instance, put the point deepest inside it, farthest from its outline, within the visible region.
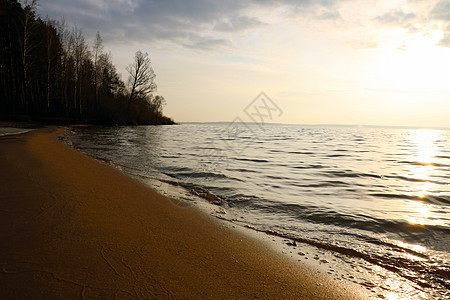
(424, 144)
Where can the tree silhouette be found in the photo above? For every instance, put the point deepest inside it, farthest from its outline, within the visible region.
(141, 79)
(27, 46)
(97, 50)
(49, 73)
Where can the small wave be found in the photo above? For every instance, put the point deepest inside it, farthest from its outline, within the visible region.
(331, 183)
(206, 175)
(438, 199)
(276, 151)
(198, 191)
(411, 179)
(243, 170)
(252, 160)
(350, 174)
(443, 156)
(169, 156)
(102, 148)
(206, 148)
(418, 163)
(177, 170)
(277, 177)
(309, 167)
(427, 198)
(302, 152)
(395, 196)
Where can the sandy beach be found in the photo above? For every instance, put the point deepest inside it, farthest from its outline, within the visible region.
(71, 227)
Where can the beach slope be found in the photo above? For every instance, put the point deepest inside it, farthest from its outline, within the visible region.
(71, 227)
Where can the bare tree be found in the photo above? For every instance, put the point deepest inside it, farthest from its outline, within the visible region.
(27, 45)
(109, 79)
(141, 77)
(97, 50)
(79, 50)
(64, 35)
(52, 55)
(159, 102)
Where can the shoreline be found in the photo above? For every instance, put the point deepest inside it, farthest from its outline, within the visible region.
(74, 227)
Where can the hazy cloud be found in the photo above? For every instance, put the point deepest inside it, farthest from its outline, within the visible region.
(396, 17)
(237, 24)
(210, 44)
(420, 17)
(328, 14)
(441, 11)
(213, 25)
(183, 23)
(363, 44)
(445, 42)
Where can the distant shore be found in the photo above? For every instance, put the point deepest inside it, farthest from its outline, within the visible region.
(72, 227)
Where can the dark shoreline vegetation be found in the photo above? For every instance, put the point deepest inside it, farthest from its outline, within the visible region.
(49, 74)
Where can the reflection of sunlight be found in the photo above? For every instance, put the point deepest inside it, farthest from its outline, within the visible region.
(423, 156)
(425, 144)
(422, 173)
(395, 287)
(416, 248)
(420, 213)
(399, 290)
(395, 296)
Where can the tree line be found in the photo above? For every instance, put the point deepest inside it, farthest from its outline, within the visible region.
(49, 72)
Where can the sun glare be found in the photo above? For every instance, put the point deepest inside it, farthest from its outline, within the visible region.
(414, 63)
(425, 140)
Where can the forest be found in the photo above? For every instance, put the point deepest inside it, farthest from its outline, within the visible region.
(49, 73)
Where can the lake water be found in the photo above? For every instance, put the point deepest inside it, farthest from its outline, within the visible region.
(378, 199)
(12, 130)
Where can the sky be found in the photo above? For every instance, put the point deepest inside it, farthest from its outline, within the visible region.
(383, 62)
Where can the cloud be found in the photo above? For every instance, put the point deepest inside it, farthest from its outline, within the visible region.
(210, 44)
(329, 15)
(397, 17)
(238, 24)
(206, 25)
(180, 23)
(363, 44)
(420, 18)
(441, 11)
(445, 41)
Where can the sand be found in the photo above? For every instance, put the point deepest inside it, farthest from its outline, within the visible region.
(71, 227)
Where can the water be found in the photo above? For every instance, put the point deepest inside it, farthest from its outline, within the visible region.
(11, 131)
(378, 199)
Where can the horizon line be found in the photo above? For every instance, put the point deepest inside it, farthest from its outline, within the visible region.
(324, 125)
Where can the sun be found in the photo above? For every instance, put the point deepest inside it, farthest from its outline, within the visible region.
(414, 63)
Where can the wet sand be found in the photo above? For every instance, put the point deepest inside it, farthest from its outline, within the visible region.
(71, 227)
